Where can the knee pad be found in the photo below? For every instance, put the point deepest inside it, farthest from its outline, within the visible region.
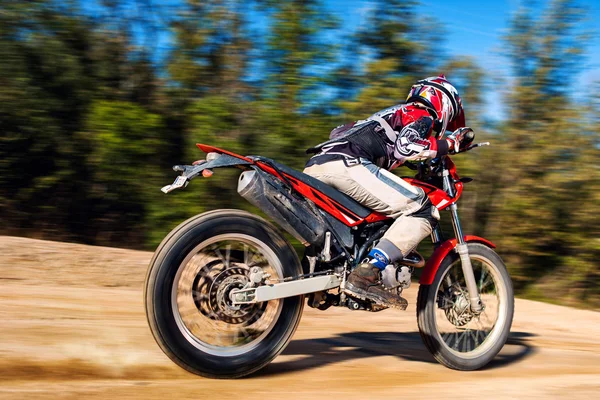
(428, 212)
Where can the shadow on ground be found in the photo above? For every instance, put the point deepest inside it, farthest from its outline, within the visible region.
(519, 348)
(357, 345)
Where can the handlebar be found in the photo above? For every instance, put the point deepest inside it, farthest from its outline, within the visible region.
(471, 147)
(435, 163)
(468, 138)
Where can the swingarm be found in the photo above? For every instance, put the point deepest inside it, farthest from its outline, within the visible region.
(251, 295)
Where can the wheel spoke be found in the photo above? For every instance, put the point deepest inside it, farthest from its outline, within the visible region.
(202, 304)
(224, 259)
(481, 278)
(446, 336)
(247, 254)
(462, 331)
(480, 325)
(196, 295)
(474, 335)
(485, 284)
(456, 341)
(465, 341)
(448, 282)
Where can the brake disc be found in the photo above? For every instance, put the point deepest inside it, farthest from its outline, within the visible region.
(214, 302)
(459, 312)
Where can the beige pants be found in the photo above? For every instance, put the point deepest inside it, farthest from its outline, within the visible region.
(382, 191)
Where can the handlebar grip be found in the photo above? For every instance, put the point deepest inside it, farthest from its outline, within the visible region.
(469, 136)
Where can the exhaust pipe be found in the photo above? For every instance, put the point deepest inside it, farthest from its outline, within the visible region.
(274, 199)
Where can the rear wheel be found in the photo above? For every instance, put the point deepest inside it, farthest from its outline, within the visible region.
(188, 302)
(456, 336)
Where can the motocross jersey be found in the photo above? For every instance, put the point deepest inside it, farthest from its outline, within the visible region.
(388, 138)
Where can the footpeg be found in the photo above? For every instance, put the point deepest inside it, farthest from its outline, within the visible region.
(353, 305)
(323, 300)
(366, 306)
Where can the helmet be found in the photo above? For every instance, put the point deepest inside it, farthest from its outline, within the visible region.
(442, 99)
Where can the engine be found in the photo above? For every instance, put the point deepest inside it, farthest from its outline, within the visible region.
(397, 276)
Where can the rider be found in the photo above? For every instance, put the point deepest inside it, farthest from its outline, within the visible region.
(357, 160)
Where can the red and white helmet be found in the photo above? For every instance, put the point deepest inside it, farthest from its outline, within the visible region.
(438, 95)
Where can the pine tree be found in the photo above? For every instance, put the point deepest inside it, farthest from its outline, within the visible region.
(544, 165)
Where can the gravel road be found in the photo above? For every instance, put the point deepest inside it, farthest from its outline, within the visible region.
(73, 327)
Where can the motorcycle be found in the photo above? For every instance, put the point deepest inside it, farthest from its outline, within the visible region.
(225, 290)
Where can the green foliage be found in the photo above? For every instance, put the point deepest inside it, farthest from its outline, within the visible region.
(393, 30)
(91, 122)
(294, 50)
(44, 91)
(397, 45)
(545, 208)
(211, 55)
(125, 138)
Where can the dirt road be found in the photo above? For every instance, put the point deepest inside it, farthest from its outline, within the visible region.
(73, 326)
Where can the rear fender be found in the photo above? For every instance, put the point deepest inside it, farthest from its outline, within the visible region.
(211, 149)
(223, 160)
(189, 172)
(433, 263)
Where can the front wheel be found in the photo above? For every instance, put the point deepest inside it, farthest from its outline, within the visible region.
(456, 336)
(188, 301)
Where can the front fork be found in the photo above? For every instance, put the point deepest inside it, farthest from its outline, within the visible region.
(463, 251)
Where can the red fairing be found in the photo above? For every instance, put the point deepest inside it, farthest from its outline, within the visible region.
(375, 217)
(451, 168)
(329, 205)
(438, 197)
(433, 263)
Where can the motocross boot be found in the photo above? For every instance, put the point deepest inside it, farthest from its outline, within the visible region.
(365, 283)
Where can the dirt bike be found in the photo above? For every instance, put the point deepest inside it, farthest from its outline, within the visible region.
(225, 290)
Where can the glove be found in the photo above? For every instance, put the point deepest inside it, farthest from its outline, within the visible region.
(459, 139)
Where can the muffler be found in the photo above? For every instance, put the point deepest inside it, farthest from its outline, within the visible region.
(274, 199)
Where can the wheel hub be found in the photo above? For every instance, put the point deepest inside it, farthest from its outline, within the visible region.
(459, 312)
(223, 291)
(217, 302)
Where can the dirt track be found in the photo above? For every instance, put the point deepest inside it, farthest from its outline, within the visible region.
(73, 326)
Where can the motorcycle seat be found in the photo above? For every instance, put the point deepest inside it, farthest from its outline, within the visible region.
(344, 200)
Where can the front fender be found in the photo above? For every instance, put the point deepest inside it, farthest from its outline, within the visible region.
(433, 263)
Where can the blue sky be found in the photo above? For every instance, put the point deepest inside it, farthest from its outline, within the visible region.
(473, 28)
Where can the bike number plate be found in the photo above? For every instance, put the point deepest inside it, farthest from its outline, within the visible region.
(181, 181)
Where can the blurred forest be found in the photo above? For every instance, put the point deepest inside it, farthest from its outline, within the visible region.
(93, 113)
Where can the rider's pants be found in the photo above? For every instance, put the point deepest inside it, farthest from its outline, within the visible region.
(382, 191)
